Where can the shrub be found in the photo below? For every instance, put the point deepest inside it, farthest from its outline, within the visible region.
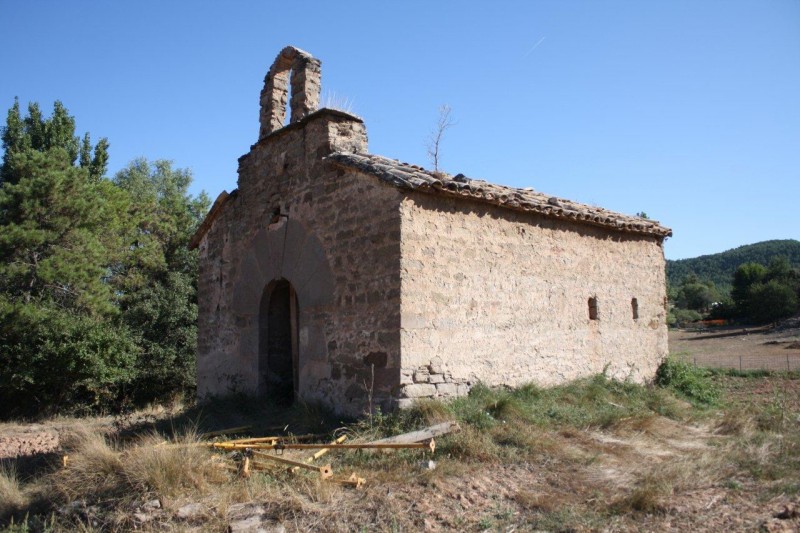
(681, 317)
(687, 380)
(60, 361)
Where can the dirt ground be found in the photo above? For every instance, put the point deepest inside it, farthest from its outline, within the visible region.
(559, 496)
(742, 348)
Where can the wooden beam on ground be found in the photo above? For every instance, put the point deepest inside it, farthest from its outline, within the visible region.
(260, 440)
(424, 434)
(320, 453)
(324, 471)
(429, 445)
(352, 481)
(255, 440)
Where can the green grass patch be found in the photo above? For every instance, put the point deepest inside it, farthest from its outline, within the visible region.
(595, 402)
(511, 424)
(756, 373)
(687, 380)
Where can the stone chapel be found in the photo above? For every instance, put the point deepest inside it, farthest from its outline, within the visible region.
(338, 276)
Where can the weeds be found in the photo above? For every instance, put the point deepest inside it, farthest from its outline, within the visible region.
(769, 444)
(597, 402)
(690, 381)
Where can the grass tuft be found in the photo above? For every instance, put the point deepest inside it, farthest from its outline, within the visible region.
(94, 469)
(650, 497)
(98, 469)
(165, 469)
(331, 100)
(539, 501)
(12, 496)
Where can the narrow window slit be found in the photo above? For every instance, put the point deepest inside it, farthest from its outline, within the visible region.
(593, 308)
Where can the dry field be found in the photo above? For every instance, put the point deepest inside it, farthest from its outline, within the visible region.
(740, 348)
(594, 455)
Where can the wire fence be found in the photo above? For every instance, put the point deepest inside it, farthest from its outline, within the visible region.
(773, 362)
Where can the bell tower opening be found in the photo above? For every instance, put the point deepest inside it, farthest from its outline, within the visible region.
(277, 342)
(295, 69)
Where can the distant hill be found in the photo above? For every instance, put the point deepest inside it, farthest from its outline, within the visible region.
(720, 267)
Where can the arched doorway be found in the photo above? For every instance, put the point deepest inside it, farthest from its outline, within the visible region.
(277, 342)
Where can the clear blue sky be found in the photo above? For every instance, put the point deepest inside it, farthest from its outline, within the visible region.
(689, 111)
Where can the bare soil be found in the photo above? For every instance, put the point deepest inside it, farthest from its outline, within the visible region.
(740, 348)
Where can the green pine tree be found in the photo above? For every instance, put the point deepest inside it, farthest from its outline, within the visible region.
(62, 342)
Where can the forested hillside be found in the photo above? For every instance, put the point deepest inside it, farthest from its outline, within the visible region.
(720, 267)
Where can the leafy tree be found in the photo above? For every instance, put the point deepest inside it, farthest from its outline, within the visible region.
(158, 278)
(781, 270)
(771, 301)
(765, 294)
(59, 361)
(681, 317)
(696, 295)
(34, 132)
(746, 276)
(723, 309)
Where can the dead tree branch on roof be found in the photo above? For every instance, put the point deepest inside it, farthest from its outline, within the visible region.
(435, 140)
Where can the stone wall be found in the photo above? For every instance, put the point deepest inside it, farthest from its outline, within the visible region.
(28, 440)
(335, 236)
(502, 297)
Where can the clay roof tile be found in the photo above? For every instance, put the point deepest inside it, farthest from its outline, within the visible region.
(412, 177)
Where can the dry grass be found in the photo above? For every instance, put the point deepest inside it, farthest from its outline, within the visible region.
(541, 501)
(331, 100)
(101, 470)
(594, 454)
(12, 496)
(655, 487)
(736, 422)
(166, 469)
(94, 470)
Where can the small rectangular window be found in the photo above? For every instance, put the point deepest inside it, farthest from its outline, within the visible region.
(593, 308)
(635, 308)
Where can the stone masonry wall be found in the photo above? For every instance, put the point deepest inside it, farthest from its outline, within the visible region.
(502, 297)
(331, 233)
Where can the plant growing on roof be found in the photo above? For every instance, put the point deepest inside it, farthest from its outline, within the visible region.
(434, 143)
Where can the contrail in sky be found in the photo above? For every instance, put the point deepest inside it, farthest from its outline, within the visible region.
(529, 52)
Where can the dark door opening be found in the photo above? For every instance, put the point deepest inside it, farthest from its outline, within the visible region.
(277, 344)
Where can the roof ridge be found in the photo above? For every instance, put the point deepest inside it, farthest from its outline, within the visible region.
(413, 177)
